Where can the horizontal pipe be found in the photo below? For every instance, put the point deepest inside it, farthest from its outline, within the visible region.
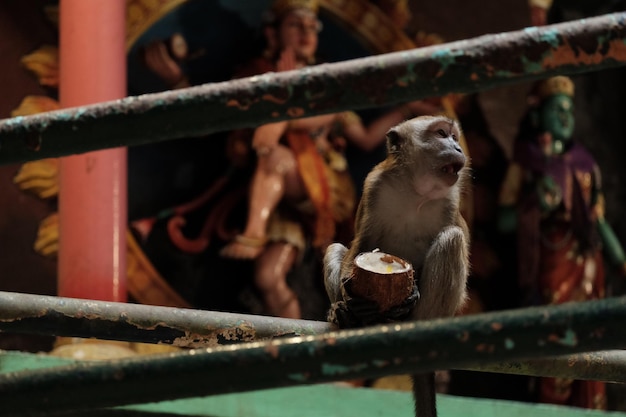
(58, 316)
(341, 355)
(606, 366)
(464, 66)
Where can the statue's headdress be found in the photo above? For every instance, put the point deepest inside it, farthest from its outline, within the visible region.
(281, 7)
(555, 85)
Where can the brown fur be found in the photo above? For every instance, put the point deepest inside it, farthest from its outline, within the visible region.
(410, 208)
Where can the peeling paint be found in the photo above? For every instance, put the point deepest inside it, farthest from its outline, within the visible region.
(445, 58)
(272, 350)
(485, 347)
(338, 369)
(300, 377)
(273, 99)
(531, 66)
(380, 363)
(463, 337)
(551, 37)
(569, 338)
(509, 343)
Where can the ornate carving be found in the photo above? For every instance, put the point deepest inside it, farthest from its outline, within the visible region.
(369, 23)
(44, 62)
(145, 284)
(141, 14)
(40, 177)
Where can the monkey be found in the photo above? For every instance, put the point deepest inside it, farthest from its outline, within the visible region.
(410, 208)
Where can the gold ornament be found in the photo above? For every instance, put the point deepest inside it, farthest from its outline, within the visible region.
(555, 85)
(44, 62)
(394, 6)
(281, 7)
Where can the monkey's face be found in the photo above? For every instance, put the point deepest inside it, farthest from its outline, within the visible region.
(429, 148)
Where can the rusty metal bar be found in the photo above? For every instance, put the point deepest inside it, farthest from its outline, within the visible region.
(607, 366)
(464, 66)
(58, 316)
(348, 354)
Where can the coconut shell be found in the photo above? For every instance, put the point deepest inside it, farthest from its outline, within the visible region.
(383, 278)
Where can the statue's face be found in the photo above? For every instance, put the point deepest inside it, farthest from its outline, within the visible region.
(557, 117)
(298, 30)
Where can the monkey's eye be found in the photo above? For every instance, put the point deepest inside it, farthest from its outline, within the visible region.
(442, 133)
(455, 138)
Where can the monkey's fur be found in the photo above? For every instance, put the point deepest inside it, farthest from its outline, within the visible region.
(410, 209)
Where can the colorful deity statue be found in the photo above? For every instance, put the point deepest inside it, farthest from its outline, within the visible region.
(552, 195)
(300, 192)
(301, 188)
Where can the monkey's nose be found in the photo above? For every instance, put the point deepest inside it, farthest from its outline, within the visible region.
(457, 148)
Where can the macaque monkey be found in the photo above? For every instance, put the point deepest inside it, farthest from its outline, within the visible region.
(410, 209)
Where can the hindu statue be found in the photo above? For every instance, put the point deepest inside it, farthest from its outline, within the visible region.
(300, 193)
(552, 197)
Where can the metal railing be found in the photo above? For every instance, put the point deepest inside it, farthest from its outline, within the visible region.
(458, 67)
(317, 353)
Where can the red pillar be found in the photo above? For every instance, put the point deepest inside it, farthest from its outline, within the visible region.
(93, 186)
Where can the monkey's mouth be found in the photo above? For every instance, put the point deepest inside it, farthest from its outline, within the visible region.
(452, 169)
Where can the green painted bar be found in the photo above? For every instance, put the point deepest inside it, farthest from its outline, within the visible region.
(316, 400)
(606, 366)
(464, 66)
(309, 401)
(335, 356)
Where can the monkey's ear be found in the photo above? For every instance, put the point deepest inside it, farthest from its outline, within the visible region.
(393, 141)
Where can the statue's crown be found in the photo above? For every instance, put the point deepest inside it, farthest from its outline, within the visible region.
(280, 7)
(556, 85)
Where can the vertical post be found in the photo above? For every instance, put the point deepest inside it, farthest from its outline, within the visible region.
(93, 186)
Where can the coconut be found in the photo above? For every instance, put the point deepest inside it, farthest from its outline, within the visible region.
(383, 278)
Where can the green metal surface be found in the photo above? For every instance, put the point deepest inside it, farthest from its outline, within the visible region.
(343, 355)
(20, 361)
(338, 401)
(464, 66)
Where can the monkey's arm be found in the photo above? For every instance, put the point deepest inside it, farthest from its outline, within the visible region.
(442, 284)
(333, 258)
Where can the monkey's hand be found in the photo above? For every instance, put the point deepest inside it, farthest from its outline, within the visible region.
(348, 310)
(354, 311)
(341, 315)
(402, 311)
